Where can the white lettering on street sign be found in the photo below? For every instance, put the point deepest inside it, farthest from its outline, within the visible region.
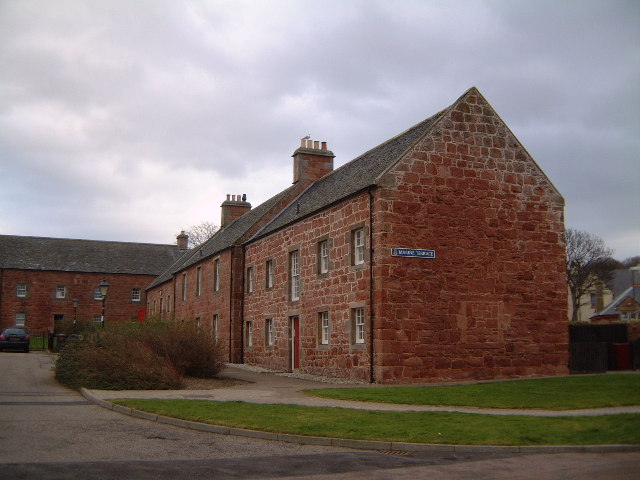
(413, 253)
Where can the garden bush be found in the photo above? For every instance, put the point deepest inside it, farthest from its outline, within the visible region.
(145, 356)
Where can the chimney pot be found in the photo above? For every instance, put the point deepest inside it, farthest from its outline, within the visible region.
(324, 145)
(316, 145)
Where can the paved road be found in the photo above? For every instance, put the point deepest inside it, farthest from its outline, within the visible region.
(49, 432)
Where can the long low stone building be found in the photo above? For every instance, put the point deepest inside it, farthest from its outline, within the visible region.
(435, 256)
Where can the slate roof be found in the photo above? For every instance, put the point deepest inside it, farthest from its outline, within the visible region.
(88, 256)
(612, 308)
(350, 178)
(224, 238)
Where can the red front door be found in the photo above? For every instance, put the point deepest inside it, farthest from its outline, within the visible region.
(294, 329)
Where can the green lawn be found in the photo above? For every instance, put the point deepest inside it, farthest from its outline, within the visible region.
(549, 393)
(418, 427)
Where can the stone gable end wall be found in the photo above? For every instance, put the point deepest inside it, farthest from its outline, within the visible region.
(493, 301)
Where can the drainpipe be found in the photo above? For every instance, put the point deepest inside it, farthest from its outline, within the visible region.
(242, 325)
(372, 378)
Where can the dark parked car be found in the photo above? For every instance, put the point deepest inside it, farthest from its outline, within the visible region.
(16, 337)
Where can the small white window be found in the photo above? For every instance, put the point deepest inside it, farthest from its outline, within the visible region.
(323, 254)
(216, 275)
(358, 246)
(135, 295)
(269, 332)
(295, 275)
(198, 281)
(97, 293)
(61, 291)
(250, 279)
(21, 319)
(97, 319)
(358, 322)
(324, 328)
(269, 274)
(21, 290)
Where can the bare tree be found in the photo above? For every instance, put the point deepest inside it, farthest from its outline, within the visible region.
(198, 234)
(589, 262)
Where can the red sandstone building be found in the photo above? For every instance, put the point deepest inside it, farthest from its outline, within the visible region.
(46, 281)
(437, 255)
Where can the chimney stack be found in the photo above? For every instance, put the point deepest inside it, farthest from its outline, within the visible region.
(233, 207)
(182, 241)
(311, 161)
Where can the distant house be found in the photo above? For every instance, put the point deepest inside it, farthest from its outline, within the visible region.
(624, 308)
(45, 281)
(437, 255)
(591, 302)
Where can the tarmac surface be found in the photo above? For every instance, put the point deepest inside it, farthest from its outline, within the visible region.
(50, 432)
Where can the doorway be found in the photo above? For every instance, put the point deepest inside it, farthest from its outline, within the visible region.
(294, 343)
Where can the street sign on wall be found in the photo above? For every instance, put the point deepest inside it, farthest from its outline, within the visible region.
(413, 253)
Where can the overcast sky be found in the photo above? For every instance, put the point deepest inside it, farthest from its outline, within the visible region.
(131, 120)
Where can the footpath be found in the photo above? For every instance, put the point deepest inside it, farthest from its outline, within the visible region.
(278, 388)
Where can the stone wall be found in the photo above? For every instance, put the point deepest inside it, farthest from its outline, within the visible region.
(40, 305)
(343, 288)
(492, 304)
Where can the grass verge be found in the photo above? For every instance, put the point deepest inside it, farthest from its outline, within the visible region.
(415, 427)
(547, 393)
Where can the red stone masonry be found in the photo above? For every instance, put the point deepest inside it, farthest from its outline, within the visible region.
(41, 305)
(492, 304)
(342, 288)
(203, 307)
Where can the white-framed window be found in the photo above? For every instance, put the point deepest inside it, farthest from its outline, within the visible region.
(249, 333)
(184, 287)
(269, 274)
(97, 294)
(323, 323)
(21, 290)
(250, 280)
(358, 246)
(198, 281)
(294, 263)
(21, 319)
(61, 291)
(97, 318)
(216, 275)
(268, 332)
(135, 295)
(323, 256)
(357, 317)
